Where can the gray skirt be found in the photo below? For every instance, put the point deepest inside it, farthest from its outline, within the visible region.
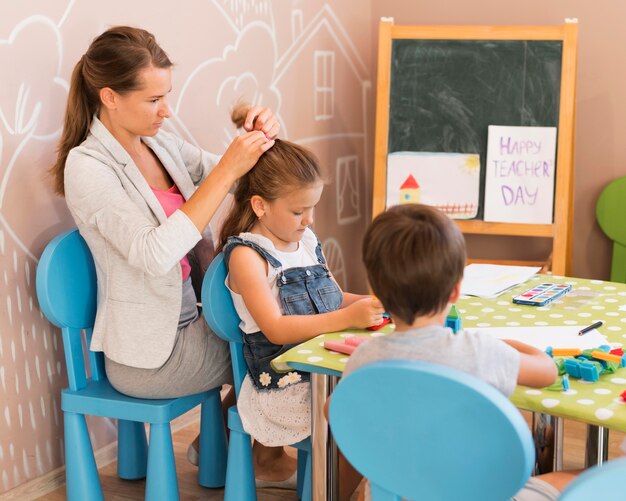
(199, 361)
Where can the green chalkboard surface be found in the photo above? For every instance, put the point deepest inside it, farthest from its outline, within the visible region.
(445, 93)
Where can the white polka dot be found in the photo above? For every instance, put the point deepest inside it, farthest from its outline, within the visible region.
(569, 392)
(346, 335)
(487, 310)
(515, 309)
(499, 317)
(513, 324)
(377, 334)
(609, 287)
(344, 360)
(584, 314)
(483, 324)
(572, 283)
(315, 359)
(602, 391)
(542, 323)
(503, 303)
(304, 352)
(475, 303)
(528, 315)
(598, 307)
(610, 300)
(462, 311)
(612, 314)
(550, 402)
(555, 315)
(471, 317)
(570, 322)
(584, 288)
(614, 328)
(321, 344)
(618, 380)
(585, 401)
(604, 414)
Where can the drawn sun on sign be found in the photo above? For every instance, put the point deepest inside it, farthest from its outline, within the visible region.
(472, 163)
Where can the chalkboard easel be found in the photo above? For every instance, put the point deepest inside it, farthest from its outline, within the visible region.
(439, 87)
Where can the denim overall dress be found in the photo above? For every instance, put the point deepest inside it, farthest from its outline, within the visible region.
(305, 290)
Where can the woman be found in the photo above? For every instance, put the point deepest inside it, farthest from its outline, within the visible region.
(142, 199)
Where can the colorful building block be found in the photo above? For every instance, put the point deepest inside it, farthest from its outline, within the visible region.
(453, 320)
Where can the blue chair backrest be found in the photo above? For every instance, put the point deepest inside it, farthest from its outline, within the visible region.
(220, 314)
(67, 292)
(425, 431)
(600, 482)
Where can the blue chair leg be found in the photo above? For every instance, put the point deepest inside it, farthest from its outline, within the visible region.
(81, 473)
(301, 472)
(213, 449)
(132, 450)
(161, 480)
(240, 484)
(306, 493)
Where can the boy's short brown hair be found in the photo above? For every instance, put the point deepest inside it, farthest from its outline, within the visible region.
(414, 256)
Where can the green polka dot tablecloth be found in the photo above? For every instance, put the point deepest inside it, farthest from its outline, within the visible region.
(596, 403)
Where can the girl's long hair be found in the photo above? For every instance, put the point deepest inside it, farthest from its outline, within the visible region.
(114, 59)
(284, 167)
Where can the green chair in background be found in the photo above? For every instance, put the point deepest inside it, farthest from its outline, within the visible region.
(611, 216)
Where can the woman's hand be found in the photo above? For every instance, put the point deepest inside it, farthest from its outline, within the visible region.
(244, 151)
(365, 312)
(262, 119)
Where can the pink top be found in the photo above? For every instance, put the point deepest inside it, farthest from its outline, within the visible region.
(171, 200)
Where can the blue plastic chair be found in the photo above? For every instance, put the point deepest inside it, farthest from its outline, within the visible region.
(220, 313)
(423, 431)
(67, 290)
(604, 481)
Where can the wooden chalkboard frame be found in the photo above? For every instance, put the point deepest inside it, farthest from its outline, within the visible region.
(560, 231)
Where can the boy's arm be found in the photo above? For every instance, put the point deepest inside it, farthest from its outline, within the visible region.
(248, 277)
(536, 368)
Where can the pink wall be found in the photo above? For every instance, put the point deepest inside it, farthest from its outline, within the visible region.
(600, 106)
(257, 49)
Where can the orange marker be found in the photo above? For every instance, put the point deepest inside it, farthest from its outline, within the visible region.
(607, 357)
(566, 352)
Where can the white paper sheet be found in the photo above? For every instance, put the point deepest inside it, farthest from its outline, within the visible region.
(542, 337)
(490, 280)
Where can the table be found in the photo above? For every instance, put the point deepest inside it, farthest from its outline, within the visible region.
(596, 404)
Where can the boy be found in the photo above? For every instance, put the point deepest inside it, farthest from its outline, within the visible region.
(415, 256)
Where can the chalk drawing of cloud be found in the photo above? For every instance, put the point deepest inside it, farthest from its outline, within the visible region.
(245, 71)
(32, 95)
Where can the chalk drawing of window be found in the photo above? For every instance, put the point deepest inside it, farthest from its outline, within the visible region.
(324, 80)
(296, 23)
(347, 183)
(334, 258)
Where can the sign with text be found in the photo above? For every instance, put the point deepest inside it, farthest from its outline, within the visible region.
(520, 173)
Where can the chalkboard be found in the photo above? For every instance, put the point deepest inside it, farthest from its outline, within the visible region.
(439, 88)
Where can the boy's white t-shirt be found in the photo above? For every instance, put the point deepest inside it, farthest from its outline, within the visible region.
(476, 353)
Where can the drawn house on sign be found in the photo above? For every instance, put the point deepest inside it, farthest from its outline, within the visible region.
(324, 88)
(410, 191)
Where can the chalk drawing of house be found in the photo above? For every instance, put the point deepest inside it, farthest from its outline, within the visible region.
(410, 191)
(324, 86)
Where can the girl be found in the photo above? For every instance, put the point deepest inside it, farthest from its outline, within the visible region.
(282, 291)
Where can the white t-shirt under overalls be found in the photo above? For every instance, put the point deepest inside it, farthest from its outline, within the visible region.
(281, 416)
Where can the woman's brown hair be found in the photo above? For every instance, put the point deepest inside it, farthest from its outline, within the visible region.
(284, 167)
(114, 59)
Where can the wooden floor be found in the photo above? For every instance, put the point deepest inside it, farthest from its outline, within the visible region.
(122, 490)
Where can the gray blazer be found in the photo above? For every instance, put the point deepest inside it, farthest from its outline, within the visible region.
(136, 248)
